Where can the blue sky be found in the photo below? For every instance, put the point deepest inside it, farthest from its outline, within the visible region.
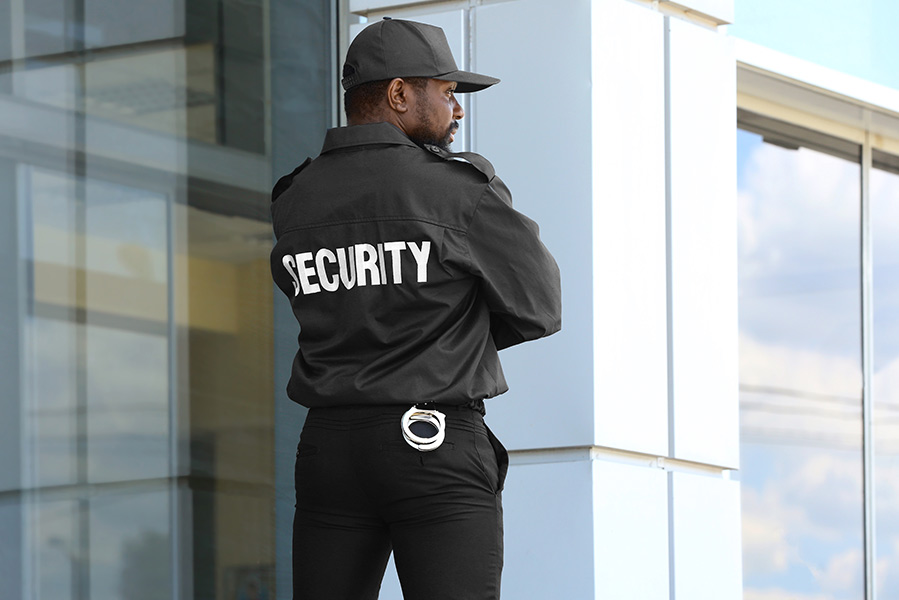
(853, 36)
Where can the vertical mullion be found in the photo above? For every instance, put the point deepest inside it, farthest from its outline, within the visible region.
(81, 575)
(867, 315)
(470, 59)
(666, 21)
(177, 557)
(467, 62)
(338, 26)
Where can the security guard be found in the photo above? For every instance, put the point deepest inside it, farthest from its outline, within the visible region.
(408, 270)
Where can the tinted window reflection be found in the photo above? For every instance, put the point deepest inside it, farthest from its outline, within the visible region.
(99, 402)
(195, 72)
(138, 173)
(885, 231)
(50, 421)
(130, 549)
(48, 25)
(128, 404)
(800, 373)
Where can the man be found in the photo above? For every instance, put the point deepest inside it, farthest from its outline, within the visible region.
(407, 269)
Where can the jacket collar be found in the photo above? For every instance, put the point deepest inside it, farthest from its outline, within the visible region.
(364, 135)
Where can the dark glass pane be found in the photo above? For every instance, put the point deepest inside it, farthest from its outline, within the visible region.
(139, 399)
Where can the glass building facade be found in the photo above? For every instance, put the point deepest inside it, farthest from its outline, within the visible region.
(818, 362)
(140, 400)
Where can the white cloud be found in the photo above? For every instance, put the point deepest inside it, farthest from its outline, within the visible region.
(886, 383)
(802, 472)
(801, 502)
(765, 521)
(807, 369)
(886, 409)
(883, 572)
(795, 206)
(801, 370)
(843, 573)
(885, 206)
(799, 249)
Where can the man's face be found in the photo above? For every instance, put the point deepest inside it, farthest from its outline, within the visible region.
(436, 114)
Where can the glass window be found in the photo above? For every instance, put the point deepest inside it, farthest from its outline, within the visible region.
(800, 365)
(193, 72)
(48, 25)
(51, 385)
(884, 190)
(139, 425)
(56, 555)
(130, 546)
(113, 23)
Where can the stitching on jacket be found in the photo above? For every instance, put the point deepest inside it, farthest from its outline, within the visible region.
(477, 207)
(474, 213)
(372, 220)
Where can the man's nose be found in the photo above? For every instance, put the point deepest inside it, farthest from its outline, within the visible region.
(458, 113)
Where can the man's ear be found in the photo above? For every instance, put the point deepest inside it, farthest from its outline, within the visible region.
(398, 95)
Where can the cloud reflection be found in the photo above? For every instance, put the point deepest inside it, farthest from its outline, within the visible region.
(800, 374)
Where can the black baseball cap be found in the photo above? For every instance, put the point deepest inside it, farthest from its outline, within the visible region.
(395, 48)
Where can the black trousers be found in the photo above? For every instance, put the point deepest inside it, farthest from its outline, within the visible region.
(362, 492)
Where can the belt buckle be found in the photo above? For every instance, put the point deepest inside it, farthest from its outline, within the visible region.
(434, 418)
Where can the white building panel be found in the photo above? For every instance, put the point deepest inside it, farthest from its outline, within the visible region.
(535, 128)
(707, 555)
(548, 519)
(629, 250)
(630, 524)
(703, 252)
(721, 11)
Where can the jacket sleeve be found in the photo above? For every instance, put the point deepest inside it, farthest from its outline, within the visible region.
(518, 275)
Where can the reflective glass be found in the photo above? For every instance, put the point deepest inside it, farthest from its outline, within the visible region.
(127, 404)
(55, 556)
(130, 546)
(113, 23)
(51, 380)
(884, 191)
(46, 26)
(800, 371)
(138, 426)
(207, 86)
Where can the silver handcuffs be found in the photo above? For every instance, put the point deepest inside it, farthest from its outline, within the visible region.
(434, 418)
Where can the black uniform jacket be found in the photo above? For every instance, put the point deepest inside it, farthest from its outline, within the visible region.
(407, 269)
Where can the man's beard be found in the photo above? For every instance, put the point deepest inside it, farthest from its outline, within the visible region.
(429, 133)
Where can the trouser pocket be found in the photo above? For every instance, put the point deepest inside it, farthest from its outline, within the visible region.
(502, 459)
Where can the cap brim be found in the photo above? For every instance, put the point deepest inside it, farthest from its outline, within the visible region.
(468, 82)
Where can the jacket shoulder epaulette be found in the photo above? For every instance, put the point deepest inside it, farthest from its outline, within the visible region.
(476, 160)
(285, 181)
